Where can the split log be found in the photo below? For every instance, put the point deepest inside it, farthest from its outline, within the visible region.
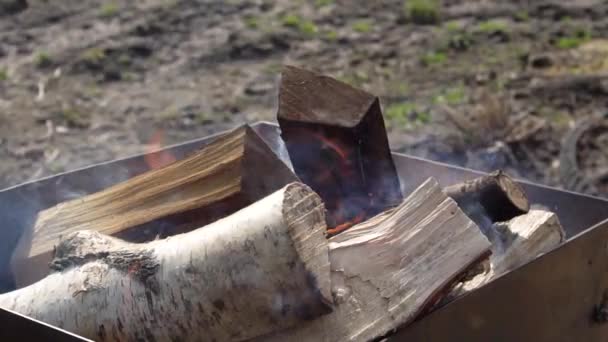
(337, 143)
(488, 199)
(232, 172)
(491, 198)
(263, 268)
(524, 238)
(521, 239)
(388, 269)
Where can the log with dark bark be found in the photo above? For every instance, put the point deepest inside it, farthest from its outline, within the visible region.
(491, 198)
(388, 269)
(235, 170)
(337, 143)
(261, 269)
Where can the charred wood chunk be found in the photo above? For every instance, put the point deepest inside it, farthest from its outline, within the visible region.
(387, 270)
(337, 142)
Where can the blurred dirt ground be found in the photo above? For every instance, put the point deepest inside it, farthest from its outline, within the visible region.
(517, 85)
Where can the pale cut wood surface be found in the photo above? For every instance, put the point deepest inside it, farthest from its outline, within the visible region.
(263, 268)
(224, 176)
(521, 239)
(526, 237)
(386, 270)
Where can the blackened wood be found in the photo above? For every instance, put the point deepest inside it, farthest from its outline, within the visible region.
(306, 96)
(337, 143)
(223, 177)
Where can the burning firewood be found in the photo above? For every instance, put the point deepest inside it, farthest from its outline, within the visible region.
(388, 269)
(491, 198)
(264, 272)
(337, 143)
(486, 200)
(267, 272)
(520, 240)
(261, 269)
(233, 171)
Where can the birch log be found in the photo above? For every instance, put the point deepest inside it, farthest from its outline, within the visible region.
(263, 268)
(386, 270)
(521, 239)
(233, 171)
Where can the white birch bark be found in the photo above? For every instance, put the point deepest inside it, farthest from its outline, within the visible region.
(261, 269)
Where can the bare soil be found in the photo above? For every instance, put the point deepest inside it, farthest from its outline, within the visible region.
(491, 84)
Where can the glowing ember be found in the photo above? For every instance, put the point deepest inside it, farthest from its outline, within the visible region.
(154, 158)
(344, 226)
(336, 180)
(329, 160)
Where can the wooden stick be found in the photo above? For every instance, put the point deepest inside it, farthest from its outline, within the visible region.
(386, 270)
(570, 173)
(337, 143)
(494, 197)
(232, 172)
(521, 239)
(592, 84)
(261, 269)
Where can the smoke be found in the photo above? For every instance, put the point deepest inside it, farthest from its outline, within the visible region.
(18, 209)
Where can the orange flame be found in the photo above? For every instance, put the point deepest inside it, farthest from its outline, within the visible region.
(333, 145)
(328, 174)
(344, 226)
(155, 159)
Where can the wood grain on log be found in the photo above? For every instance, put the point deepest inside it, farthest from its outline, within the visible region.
(263, 268)
(337, 143)
(308, 97)
(235, 170)
(386, 270)
(524, 238)
(521, 239)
